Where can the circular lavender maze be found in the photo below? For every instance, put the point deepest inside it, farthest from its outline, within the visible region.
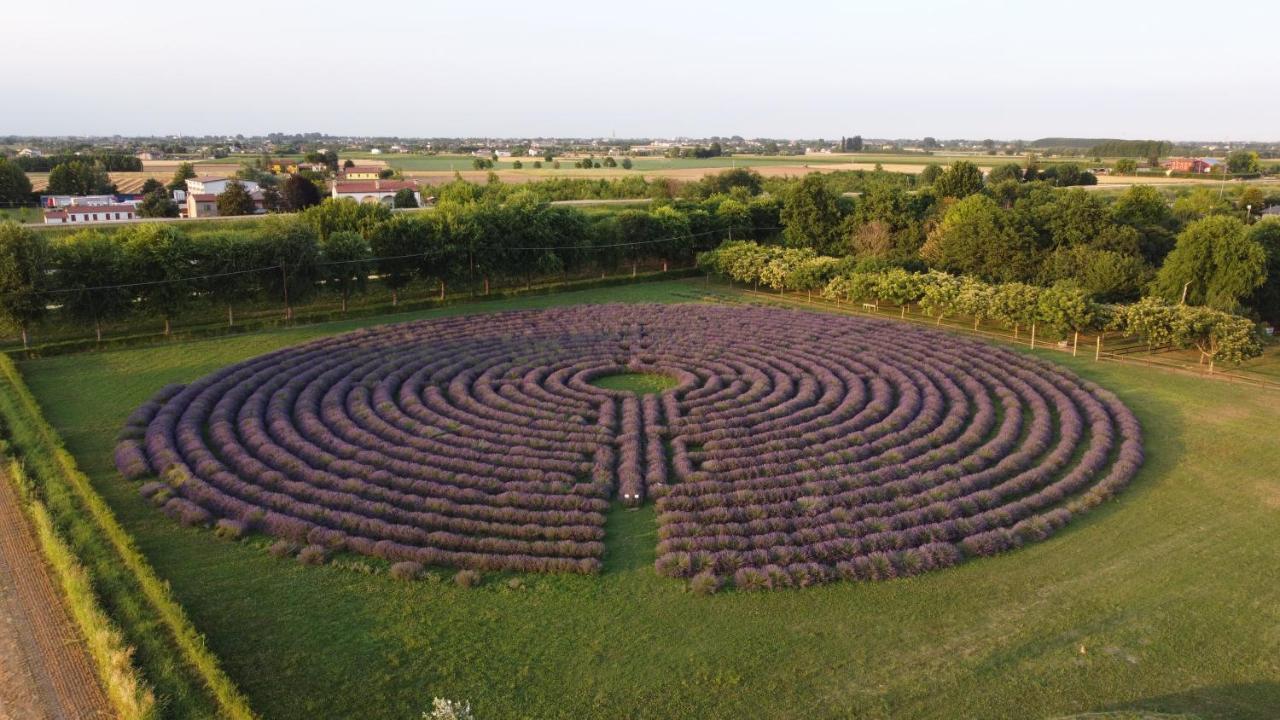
(796, 447)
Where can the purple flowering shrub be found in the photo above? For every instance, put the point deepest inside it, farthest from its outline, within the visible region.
(795, 449)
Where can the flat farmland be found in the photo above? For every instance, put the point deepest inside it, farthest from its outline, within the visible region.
(1163, 599)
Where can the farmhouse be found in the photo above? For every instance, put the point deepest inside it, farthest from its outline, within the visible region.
(90, 213)
(383, 191)
(362, 172)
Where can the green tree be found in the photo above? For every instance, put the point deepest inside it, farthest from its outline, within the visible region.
(1214, 263)
(1200, 202)
(15, 186)
(158, 204)
(976, 237)
(1266, 299)
(626, 163)
(813, 216)
(1126, 166)
(185, 172)
(1144, 209)
(1242, 161)
(405, 246)
(298, 193)
(91, 259)
(289, 245)
(1067, 308)
(151, 185)
(930, 174)
(1007, 171)
(405, 199)
(1219, 336)
(78, 177)
(235, 200)
(24, 265)
(960, 180)
(159, 259)
(346, 262)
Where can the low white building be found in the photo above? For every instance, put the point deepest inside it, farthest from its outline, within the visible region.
(380, 191)
(216, 185)
(91, 214)
(60, 201)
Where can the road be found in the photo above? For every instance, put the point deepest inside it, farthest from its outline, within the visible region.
(45, 669)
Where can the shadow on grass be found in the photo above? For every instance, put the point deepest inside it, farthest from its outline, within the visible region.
(1219, 702)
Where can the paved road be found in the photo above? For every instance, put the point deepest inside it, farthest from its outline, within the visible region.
(45, 670)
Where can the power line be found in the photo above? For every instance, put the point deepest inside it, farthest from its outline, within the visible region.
(369, 260)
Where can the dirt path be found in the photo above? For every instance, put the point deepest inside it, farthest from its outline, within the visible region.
(45, 670)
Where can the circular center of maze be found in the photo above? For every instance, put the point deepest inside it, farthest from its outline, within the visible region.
(788, 448)
(639, 383)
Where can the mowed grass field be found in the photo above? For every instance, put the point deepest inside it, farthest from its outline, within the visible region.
(1167, 599)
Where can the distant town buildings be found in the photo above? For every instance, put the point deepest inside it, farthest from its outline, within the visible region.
(283, 167)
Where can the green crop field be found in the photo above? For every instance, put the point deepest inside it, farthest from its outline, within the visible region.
(1165, 599)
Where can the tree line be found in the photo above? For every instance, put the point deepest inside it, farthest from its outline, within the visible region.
(1064, 308)
(144, 271)
(110, 162)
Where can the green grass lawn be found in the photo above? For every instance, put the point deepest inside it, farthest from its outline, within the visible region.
(640, 383)
(1166, 599)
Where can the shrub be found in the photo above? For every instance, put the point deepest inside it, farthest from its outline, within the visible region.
(406, 570)
(467, 578)
(313, 555)
(705, 583)
(282, 549)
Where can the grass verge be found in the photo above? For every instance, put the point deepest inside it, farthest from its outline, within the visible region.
(172, 655)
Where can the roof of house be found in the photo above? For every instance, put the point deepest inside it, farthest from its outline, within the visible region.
(362, 169)
(203, 197)
(367, 186)
(209, 178)
(82, 209)
(55, 214)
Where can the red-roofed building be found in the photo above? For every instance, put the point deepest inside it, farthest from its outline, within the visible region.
(1190, 165)
(91, 214)
(383, 191)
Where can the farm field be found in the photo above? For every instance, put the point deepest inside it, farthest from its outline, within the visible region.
(1165, 598)
(438, 169)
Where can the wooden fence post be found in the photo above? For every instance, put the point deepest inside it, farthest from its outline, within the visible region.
(1075, 344)
(1097, 353)
(1033, 336)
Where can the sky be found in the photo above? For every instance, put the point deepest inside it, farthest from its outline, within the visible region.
(973, 69)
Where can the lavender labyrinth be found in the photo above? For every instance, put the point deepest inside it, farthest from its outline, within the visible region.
(794, 448)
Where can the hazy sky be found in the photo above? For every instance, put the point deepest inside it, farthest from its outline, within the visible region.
(893, 68)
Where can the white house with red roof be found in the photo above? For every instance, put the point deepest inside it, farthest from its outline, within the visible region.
(380, 191)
